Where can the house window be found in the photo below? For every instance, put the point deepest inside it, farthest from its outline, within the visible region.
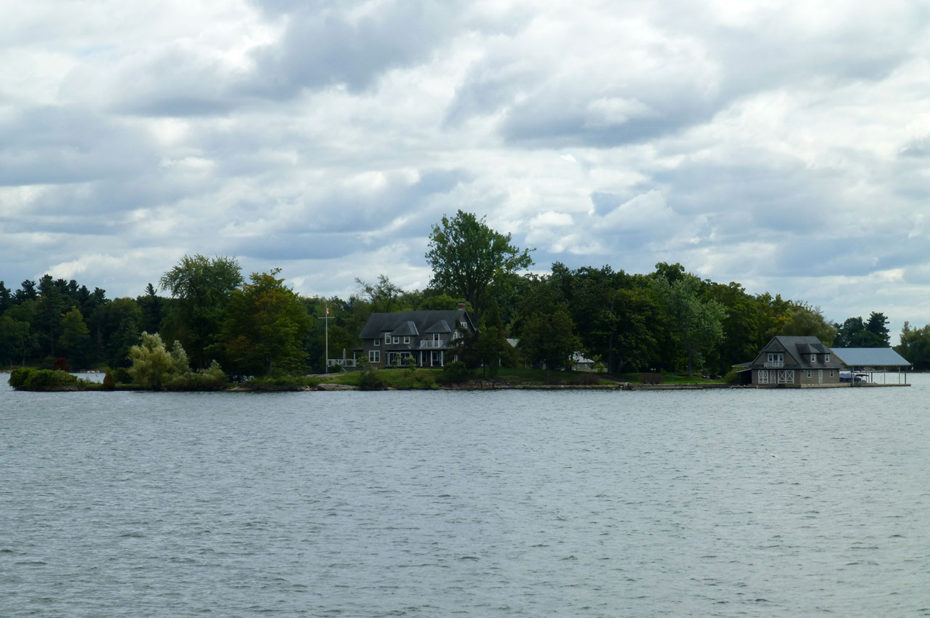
(831, 373)
(387, 338)
(813, 358)
(810, 373)
(406, 338)
(374, 356)
(377, 342)
(396, 339)
(826, 358)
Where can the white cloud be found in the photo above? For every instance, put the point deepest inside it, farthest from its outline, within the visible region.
(782, 145)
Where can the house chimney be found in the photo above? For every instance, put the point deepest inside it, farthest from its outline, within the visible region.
(461, 306)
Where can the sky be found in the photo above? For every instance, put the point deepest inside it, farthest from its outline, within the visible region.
(782, 145)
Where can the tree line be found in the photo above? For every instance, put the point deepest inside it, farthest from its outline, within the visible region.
(665, 320)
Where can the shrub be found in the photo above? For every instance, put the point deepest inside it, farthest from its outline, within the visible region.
(108, 382)
(652, 378)
(18, 377)
(42, 380)
(371, 381)
(454, 373)
(121, 375)
(210, 379)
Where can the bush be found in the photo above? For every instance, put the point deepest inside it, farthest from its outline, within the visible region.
(121, 376)
(18, 377)
(209, 379)
(108, 382)
(652, 378)
(454, 373)
(42, 380)
(371, 381)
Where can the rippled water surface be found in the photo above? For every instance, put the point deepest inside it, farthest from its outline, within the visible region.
(515, 503)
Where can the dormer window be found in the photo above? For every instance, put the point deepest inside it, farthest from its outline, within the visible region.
(826, 358)
(813, 358)
(387, 338)
(377, 342)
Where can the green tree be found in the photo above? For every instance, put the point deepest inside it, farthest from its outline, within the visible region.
(548, 338)
(74, 341)
(804, 320)
(490, 347)
(202, 287)
(915, 346)
(152, 308)
(696, 324)
(152, 365)
(469, 259)
(265, 328)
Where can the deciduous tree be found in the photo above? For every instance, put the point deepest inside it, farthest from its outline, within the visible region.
(469, 258)
(202, 287)
(265, 328)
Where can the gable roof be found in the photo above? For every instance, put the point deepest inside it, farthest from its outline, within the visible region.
(414, 322)
(797, 350)
(871, 357)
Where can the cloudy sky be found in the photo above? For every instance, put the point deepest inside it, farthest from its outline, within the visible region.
(783, 145)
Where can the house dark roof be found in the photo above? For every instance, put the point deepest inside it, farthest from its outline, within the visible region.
(797, 350)
(414, 322)
(871, 357)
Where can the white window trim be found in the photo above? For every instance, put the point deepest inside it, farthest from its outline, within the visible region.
(374, 356)
(377, 342)
(395, 340)
(406, 338)
(387, 338)
(813, 358)
(826, 358)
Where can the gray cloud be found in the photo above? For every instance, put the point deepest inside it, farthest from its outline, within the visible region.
(781, 145)
(320, 48)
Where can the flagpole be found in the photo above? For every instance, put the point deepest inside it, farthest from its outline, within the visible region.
(326, 320)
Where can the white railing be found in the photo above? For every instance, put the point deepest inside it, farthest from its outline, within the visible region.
(774, 364)
(432, 345)
(343, 362)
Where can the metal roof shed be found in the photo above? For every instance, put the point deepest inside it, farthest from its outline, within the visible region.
(873, 360)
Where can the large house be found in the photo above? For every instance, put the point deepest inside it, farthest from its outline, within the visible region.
(429, 337)
(796, 361)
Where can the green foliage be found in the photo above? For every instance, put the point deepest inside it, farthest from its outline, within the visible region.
(152, 365)
(854, 333)
(265, 327)
(209, 379)
(915, 346)
(74, 341)
(202, 287)
(109, 382)
(469, 259)
(806, 320)
(455, 372)
(695, 323)
(371, 380)
(18, 376)
(281, 383)
(43, 380)
(548, 338)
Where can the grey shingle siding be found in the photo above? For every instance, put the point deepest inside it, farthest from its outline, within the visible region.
(804, 361)
(424, 335)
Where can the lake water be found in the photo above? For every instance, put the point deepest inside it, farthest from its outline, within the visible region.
(513, 503)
